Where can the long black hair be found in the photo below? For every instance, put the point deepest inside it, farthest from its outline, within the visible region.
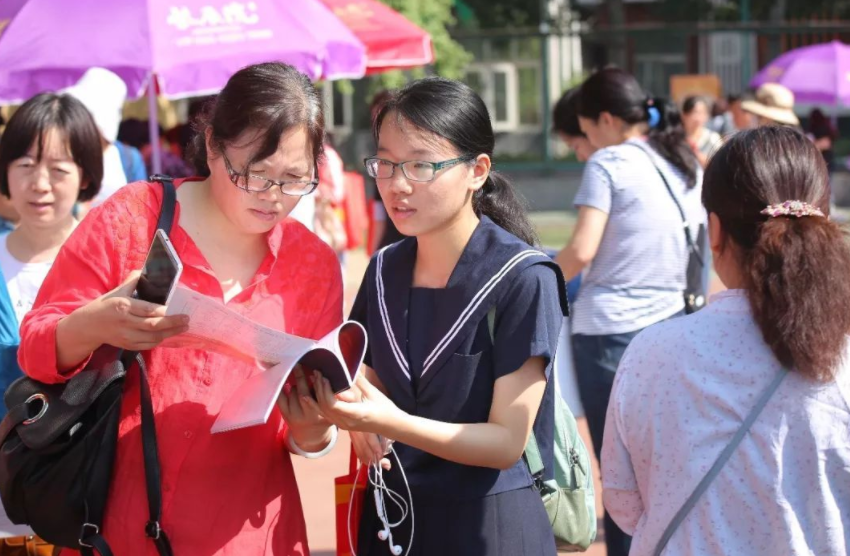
(617, 92)
(453, 111)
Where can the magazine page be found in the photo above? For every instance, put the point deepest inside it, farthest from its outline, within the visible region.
(214, 327)
(252, 403)
(337, 356)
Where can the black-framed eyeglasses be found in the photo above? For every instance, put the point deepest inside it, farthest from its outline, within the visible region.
(257, 184)
(414, 170)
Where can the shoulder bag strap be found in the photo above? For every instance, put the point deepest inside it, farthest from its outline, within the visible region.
(719, 463)
(532, 451)
(150, 450)
(685, 223)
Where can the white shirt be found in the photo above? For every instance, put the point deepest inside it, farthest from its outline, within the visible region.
(637, 276)
(681, 392)
(23, 280)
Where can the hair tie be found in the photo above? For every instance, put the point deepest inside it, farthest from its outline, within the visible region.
(792, 208)
(653, 113)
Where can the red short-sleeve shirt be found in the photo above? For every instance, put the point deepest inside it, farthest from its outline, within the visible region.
(227, 494)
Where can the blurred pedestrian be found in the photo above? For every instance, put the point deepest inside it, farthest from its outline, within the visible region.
(824, 134)
(721, 121)
(684, 389)
(50, 158)
(565, 123)
(629, 231)
(741, 119)
(329, 215)
(695, 117)
(384, 231)
(103, 93)
(224, 494)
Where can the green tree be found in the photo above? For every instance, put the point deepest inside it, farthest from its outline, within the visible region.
(435, 17)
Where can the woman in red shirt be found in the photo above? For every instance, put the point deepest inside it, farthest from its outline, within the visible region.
(232, 493)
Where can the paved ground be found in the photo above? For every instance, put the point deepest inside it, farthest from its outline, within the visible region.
(315, 477)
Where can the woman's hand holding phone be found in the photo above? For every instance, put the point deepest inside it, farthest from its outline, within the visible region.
(115, 319)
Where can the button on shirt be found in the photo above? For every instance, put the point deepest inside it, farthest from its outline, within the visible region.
(638, 274)
(682, 391)
(226, 494)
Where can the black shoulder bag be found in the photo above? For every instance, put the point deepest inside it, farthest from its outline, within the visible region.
(58, 441)
(695, 295)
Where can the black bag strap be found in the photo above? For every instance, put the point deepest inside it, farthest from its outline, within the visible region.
(150, 450)
(685, 223)
(153, 477)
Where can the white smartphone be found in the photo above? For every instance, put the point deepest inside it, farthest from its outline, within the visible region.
(161, 271)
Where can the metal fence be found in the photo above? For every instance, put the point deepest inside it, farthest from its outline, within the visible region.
(520, 73)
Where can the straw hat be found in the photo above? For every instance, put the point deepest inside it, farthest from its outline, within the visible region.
(774, 102)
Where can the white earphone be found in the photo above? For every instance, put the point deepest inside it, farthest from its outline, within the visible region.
(386, 533)
(380, 491)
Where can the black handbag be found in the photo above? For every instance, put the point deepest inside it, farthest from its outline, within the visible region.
(694, 294)
(58, 442)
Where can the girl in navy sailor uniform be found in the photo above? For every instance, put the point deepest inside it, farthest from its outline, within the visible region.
(463, 319)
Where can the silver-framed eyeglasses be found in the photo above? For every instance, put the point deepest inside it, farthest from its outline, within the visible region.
(414, 170)
(257, 184)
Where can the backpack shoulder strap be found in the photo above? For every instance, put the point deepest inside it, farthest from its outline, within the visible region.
(532, 451)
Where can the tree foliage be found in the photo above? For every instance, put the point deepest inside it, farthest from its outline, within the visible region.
(435, 17)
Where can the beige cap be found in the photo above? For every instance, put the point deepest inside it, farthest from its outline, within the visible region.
(774, 102)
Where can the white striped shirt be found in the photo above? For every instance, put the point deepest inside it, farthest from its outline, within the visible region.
(638, 274)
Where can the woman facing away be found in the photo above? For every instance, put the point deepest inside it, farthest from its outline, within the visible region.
(463, 319)
(684, 388)
(233, 493)
(629, 231)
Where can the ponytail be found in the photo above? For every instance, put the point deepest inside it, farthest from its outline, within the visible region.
(499, 201)
(795, 266)
(667, 136)
(799, 291)
(617, 92)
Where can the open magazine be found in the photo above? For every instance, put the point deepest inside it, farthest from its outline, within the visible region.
(338, 356)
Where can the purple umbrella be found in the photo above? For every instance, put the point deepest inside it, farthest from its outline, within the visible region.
(818, 74)
(192, 47)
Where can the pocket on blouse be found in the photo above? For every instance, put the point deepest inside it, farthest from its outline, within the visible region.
(460, 390)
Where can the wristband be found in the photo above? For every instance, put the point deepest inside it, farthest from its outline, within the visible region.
(295, 449)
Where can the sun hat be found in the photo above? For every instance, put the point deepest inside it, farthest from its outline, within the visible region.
(774, 102)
